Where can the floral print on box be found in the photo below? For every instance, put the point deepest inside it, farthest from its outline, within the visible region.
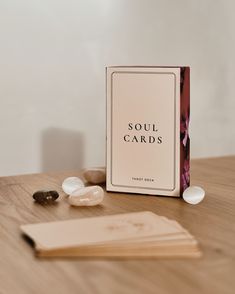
(184, 129)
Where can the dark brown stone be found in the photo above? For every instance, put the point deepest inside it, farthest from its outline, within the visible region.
(45, 196)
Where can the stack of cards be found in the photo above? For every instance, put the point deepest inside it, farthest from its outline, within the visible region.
(138, 234)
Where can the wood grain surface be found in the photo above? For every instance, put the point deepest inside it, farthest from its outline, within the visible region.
(212, 222)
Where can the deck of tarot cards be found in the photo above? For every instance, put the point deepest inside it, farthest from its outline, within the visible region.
(137, 234)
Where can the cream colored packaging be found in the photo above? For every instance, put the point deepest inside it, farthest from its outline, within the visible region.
(147, 130)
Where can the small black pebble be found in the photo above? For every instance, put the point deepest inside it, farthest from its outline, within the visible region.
(45, 196)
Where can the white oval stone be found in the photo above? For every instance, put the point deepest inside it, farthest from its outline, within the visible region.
(87, 196)
(95, 175)
(71, 184)
(193, 195)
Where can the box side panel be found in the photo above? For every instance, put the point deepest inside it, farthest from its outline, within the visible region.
(184, 128)
(108, 127)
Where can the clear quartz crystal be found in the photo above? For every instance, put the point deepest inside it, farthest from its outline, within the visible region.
(71, 184)
(87, 196)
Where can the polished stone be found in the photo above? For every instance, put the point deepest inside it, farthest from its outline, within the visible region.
(95, 175)
(193, 195)
(45, 196)
(71, 184)
(88, 196)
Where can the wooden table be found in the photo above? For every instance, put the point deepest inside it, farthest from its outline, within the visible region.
(212, 222)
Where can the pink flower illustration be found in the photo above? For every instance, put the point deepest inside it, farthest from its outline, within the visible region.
(184, 125)
(185, 174)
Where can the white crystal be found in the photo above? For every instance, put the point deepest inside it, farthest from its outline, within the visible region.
(71, 184)
(88, 196)
(95, 175)
(193, 195)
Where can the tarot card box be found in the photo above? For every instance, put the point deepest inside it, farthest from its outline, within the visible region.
(147, 129)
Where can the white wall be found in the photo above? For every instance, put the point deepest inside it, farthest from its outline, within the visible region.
(52, 87)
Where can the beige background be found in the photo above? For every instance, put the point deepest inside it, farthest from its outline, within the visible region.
(52, 88)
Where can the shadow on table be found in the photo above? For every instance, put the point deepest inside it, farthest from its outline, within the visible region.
(62, 149)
